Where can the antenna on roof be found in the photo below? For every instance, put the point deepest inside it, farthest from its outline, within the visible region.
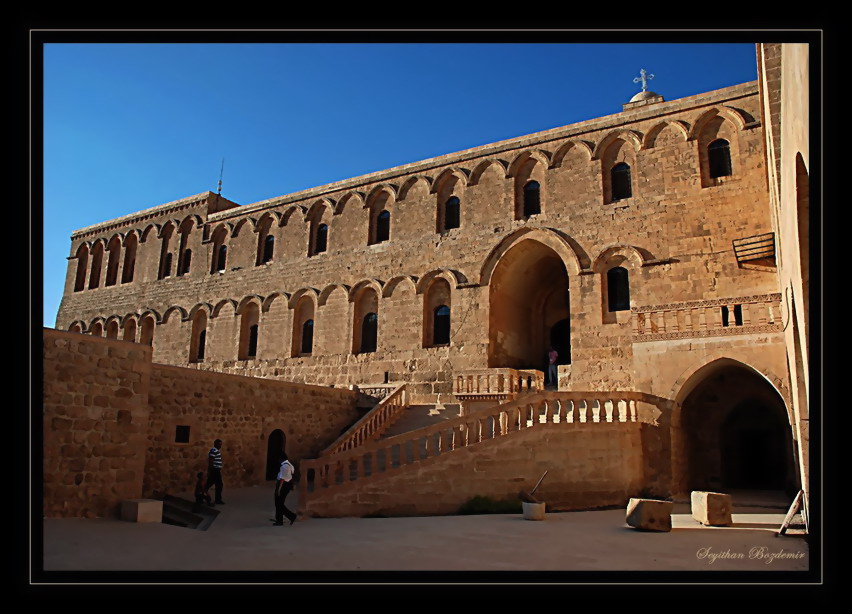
(221, 170)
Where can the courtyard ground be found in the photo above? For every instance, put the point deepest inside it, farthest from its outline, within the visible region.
(243, 539)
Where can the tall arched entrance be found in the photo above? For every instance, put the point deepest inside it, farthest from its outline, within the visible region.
(735, 434)
(274, 447)
(529, 308)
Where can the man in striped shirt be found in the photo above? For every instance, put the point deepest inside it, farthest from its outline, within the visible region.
(214, 470)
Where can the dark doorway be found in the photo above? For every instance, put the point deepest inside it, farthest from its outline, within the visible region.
(753, 448)
(274, 447)
(560, 339)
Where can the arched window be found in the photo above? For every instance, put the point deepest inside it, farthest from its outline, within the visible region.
(252, 341)
(96, 329)
(112, 330)
(532, 198)
(369, 332)
(441, 325)
(221, 258)
(129, 259)
(146, 336)
(719, 158)
(618, 289)
(97, 260)
(202, 342)
(620, 179)
(268, 248)
(167, 266)
(452, 213)
(322, 239)
(114, 251)
(307, 337)
(383, 227)
(185, 262)
(82, 265)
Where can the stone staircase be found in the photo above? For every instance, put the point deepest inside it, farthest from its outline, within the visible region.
(416, 417)
(415, 437)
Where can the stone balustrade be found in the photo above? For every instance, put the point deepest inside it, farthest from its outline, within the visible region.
(711, 318)
(497, 382)
(551, 409)
(373, 423)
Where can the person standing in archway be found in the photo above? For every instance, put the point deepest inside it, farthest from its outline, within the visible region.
(283, 486)
(552, 371)
(214, 471)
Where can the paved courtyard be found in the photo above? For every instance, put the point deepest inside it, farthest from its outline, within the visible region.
(242, 539)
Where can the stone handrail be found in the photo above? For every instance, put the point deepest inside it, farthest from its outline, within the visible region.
(710, 318)
(373, 423)
(553, 408)
(501, 381)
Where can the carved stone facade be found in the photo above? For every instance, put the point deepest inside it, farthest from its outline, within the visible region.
(611, 240)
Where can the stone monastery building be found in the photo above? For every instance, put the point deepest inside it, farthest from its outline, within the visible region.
(661, 251)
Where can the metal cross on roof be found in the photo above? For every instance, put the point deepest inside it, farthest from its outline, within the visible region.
(644, 78)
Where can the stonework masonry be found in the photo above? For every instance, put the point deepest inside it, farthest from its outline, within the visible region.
(661, 250)
(110, 419)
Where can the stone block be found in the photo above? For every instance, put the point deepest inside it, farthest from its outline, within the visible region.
(142, 510)
(650, 514)
(712, 508)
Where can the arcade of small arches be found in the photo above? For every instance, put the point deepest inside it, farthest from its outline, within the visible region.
(528, 279)
(714, 132)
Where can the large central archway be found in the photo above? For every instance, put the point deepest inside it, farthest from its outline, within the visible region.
(529, 307)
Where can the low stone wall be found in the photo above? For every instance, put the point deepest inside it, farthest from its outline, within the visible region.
(242, 412)
(95, 423)
(111, 416)
(589, 465)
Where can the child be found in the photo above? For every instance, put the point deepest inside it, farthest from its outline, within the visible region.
(200, 495)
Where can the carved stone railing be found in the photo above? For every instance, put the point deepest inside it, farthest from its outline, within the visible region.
(718, 317)
(489, 383)
(548, 409)
(373, 423)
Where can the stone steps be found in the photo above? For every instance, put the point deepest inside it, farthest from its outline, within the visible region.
(420, 416)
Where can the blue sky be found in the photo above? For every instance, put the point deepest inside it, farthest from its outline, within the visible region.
(132, 126)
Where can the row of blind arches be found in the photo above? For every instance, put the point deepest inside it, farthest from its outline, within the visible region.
(719, 162)
(618, 299)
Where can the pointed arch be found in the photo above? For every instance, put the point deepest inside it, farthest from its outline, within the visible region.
(376, 192)
(453, 277)
(267, 303)
(250, 299)
(409, 183)
(392, 283)
(240, 224)
(631, 137)
(698, 370)
(174, 309)
(681, 128)
(734, 116)
(152, 313)
(546, 236)
(462, 175)
(328, 290)
(483, 166)
(376, 284)
(318, 207)
(289, 212)
(221, 304)
(146, 232)
(205, 307)
(311, 293)
(540, 155)
(355, 196)
(562, 151)
(631, 254)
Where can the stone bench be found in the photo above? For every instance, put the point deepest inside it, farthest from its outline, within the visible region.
(649, 514)
(712, 508)
(142, 510)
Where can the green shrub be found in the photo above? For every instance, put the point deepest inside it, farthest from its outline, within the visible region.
(486, 505)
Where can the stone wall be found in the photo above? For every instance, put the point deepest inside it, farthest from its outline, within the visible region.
(588, 465)
(674, 236)
(95, 423)
(110, 418)
(242, 412)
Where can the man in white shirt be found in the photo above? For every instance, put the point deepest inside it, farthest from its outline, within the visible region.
(283, 486)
